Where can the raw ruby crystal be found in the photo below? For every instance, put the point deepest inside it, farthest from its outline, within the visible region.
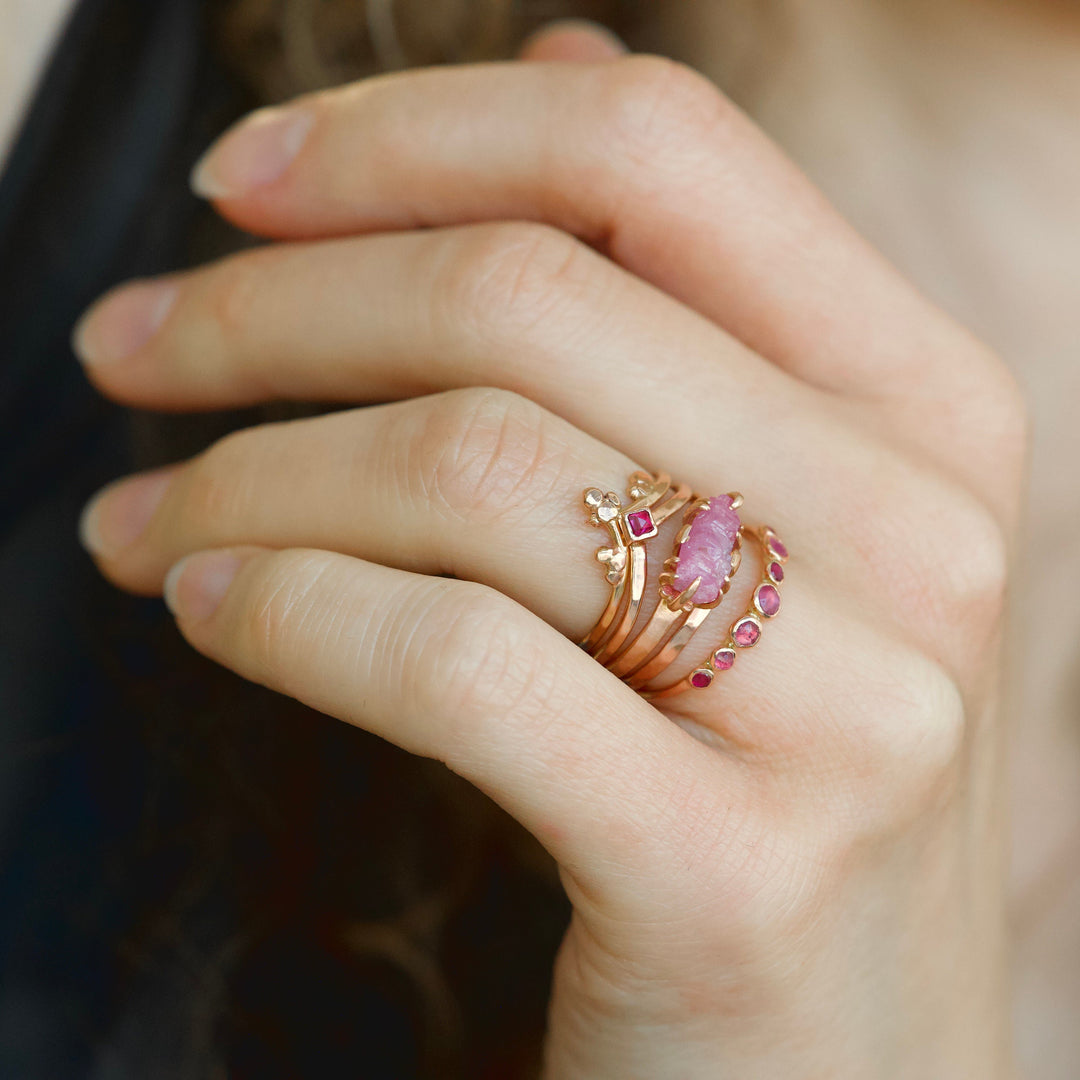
(767, 599)
(640, 523)
(723, 659)
(777, 546)
(776, 572)
(746, 633)
(701, 678)
(706, 551)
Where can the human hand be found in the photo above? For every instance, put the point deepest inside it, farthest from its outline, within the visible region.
(557, 273)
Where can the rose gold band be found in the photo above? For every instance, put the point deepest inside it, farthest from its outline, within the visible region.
(705, 558)
(626, 558)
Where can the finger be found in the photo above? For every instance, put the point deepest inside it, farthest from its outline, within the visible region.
(486, 485)
(519, 305)
(573, 40)
(457, 672)
(643, 158)
(476, 484)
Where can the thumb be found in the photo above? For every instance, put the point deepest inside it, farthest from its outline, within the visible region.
(573, 39)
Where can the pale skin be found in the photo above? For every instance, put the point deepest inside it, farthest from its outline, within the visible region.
(798, 873)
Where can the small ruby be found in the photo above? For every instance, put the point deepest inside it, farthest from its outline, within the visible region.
(777, 546)
(746, 633)
(776, 572)
(724, 659)
(641, 524)
(701, 678)
(768, 600)
(668, 590)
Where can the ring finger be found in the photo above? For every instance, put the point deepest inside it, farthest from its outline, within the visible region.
(478, 484)
(530, 310)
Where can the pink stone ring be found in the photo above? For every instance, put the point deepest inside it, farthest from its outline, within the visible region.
(745, 632)
(694, 580)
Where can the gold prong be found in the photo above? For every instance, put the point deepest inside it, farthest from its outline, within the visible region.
(687, 595)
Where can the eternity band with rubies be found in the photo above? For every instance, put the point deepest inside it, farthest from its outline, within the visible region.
(706, 555)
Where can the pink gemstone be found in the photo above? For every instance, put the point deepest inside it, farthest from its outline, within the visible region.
(776, 572)
(777, 547)
(767, 599)
(723, 659)
(746, 633)
(641, 525)
(701, 678)
(706, 551)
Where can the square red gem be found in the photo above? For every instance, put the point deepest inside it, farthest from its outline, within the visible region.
(641, 525)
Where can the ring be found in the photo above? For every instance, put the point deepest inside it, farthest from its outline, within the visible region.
(626, 559)
(745, 632)
(706, 555)
(686, 596)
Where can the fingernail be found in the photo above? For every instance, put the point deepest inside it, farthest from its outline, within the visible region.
(124, 321)
(574, 39)
(118, 514)
(195, 586)
(255, 152)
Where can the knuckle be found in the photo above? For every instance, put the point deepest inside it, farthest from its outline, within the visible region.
(1008, 418)
(214, 490)
(907, 757)
(483, 668)
(280, 611)
(502, 280)
(975, 563)
(934, 548)
(232, 297)
(654, 105)
(489, 452)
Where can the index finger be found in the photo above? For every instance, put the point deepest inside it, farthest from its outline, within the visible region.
(641, 157)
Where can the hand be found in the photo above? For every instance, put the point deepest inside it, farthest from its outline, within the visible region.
(558, 273)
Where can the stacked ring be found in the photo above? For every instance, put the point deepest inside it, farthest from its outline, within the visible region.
(695, 578)
(626, 559)
(745, 631)
(685, 602)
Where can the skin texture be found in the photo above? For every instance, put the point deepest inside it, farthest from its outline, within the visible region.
(947, 133)
(797, 874)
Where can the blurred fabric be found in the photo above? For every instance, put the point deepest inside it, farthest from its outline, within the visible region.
(94, 191)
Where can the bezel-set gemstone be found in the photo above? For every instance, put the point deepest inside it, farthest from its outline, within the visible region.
(776, 572)
(723, 659)
(701, 678)
(640, 525)
(777, 547)
(746, 632)
(767, 600)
